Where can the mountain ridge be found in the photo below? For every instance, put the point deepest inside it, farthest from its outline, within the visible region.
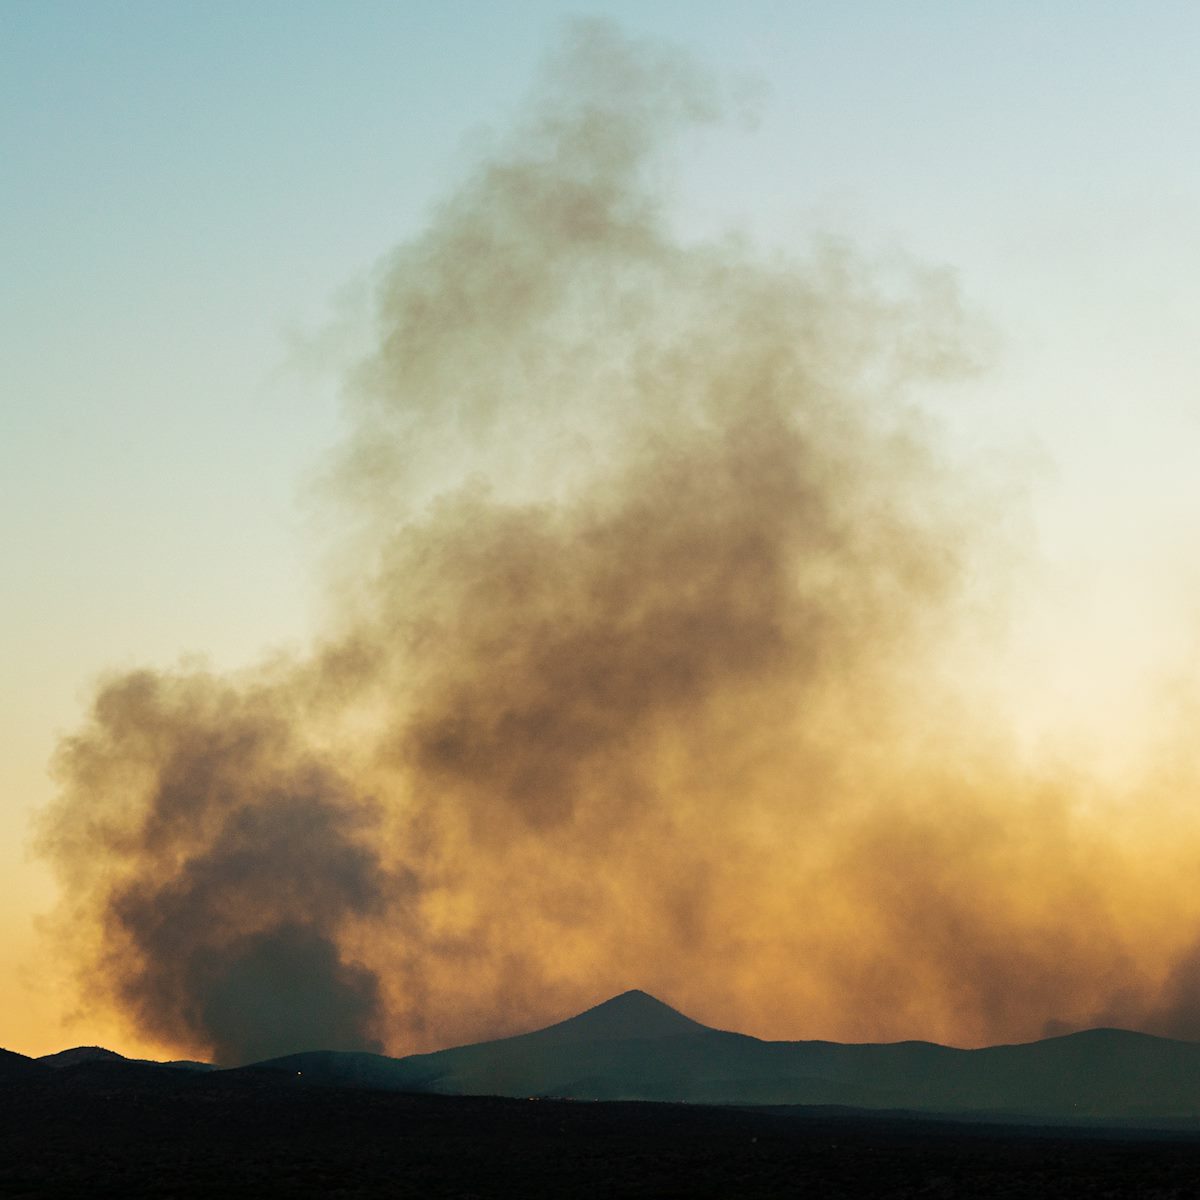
(100, 1055)
(635, 1047)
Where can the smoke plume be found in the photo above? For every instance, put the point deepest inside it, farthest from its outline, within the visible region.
(641, 673)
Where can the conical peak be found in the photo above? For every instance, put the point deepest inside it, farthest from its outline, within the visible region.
(632, 1014)
(635, 1000)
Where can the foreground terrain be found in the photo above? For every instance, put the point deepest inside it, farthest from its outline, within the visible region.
(103, 1128)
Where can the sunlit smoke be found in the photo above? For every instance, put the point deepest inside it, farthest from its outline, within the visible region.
(641, 673)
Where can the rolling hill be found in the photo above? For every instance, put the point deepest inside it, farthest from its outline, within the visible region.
(98, 1055)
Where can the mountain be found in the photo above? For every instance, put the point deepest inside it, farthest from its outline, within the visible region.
(78, 1055)
(634, 1047)
(634, 1014)
(597, 1040)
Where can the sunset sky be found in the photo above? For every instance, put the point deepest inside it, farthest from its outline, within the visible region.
(200, 206)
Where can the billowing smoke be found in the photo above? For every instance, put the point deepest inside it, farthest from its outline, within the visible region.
(648, 587)
(228, 863)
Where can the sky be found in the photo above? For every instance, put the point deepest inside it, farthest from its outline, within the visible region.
(199, 203)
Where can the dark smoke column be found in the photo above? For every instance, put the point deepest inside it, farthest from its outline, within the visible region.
(218, 867)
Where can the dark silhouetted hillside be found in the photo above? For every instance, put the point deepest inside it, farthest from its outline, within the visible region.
(98, 1054)
(79, 1054)
(16, 1066)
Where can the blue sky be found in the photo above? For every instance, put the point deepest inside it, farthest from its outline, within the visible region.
(194, 196)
